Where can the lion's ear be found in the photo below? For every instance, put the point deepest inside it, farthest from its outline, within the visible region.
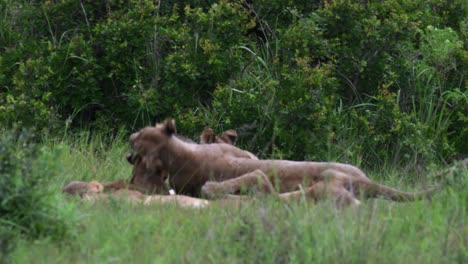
(231, 136)
(207, 136)
(170, 126)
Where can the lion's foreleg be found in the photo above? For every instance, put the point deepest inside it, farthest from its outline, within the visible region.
(256, 181)
(323, 190)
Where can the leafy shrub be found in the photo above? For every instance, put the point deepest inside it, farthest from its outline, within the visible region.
(28, 204)
(6, 243)
(384, 133)
(295, 78)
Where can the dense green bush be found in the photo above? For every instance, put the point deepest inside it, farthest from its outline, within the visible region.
(28, 205)
(350, 80)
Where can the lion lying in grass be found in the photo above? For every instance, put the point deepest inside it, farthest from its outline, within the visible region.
(149, 176)
(218, 169)
(94, 191)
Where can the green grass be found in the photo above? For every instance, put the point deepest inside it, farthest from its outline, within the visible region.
(266, 231)
(86, 157)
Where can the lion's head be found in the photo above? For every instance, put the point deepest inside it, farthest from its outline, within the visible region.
(146, 144)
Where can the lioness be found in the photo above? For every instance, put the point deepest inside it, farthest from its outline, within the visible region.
(149, 175)
(93, 191)
(214, 169)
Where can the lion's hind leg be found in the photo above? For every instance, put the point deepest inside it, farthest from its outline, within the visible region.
(322, 190)
(256, 181)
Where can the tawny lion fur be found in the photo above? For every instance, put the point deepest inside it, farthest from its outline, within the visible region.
(228, 137)
(149, 176)
(81, 187)
(94, 191)
(217, 169)
(139, 198)
(208, 137)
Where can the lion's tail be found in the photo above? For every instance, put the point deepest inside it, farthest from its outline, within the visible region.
(372, 189)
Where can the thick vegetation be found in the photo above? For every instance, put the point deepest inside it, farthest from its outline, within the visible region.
(29, 205)
(379, 84)
(365, 81)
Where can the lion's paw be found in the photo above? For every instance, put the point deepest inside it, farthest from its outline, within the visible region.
(211, 189)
